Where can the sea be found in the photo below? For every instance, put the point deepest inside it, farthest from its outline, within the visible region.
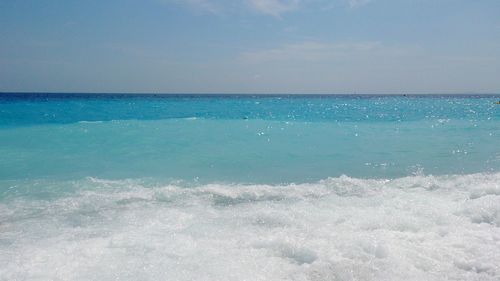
(249, 187)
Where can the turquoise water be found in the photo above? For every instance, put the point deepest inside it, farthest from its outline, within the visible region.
(249, 187)
(246, 139)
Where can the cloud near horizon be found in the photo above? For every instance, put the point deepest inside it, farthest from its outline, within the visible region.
(274, 8)
(312, 51)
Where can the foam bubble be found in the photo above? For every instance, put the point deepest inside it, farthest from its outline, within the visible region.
(413, 228)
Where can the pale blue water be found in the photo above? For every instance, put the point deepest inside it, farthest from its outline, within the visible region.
(261, 187)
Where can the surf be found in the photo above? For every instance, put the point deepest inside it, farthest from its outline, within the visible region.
(340, 228)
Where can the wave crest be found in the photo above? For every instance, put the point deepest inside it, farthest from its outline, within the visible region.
(412, 228)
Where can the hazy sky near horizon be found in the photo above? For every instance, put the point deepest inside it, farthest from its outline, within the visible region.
(250, 46)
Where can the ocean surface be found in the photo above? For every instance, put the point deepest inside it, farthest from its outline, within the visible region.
(235, 187)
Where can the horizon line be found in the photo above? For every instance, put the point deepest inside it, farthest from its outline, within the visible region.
(403, 93)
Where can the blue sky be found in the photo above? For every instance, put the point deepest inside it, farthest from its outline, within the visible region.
(250, 46)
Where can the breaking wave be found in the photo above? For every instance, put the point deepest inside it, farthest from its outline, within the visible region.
(412, 228)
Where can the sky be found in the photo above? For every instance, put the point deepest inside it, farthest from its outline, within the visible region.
(250, 46)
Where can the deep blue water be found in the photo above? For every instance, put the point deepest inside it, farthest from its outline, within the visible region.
(27, 109)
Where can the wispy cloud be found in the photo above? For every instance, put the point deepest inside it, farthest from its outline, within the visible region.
(358, 3)
(209, 6)
(309, 51)
(274, 7)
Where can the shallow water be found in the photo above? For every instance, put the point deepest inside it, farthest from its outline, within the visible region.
(247, 139)
(249, 188)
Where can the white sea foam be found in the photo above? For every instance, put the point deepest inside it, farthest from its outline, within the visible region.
(413, 228)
